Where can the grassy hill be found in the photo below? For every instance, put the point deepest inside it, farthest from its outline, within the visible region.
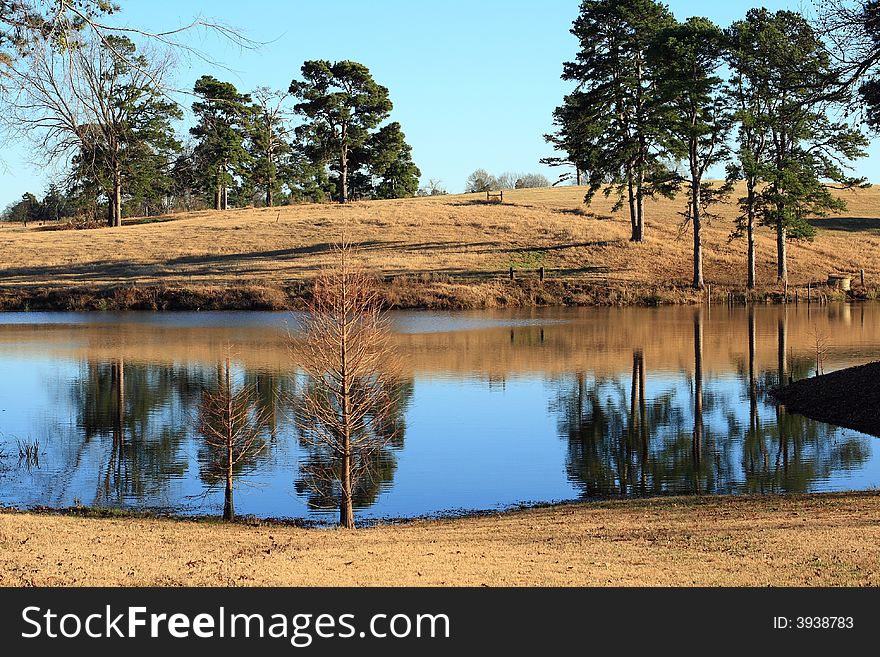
(450, 251)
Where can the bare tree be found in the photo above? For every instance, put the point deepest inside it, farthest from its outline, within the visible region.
(270, 133)
(821, 342)
(232, 423)
(26, 22)
(480, 181)
(85, 100)
(349, 362)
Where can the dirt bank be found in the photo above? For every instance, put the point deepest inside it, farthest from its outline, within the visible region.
(827, 540)
(417, 292)
(849, 398)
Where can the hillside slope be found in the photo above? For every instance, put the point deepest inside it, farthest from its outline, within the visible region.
(447, 244)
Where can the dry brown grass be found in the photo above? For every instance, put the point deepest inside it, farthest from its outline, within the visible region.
(818, 540)
(443, 243)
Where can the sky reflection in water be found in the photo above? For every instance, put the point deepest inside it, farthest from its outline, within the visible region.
(499, 408)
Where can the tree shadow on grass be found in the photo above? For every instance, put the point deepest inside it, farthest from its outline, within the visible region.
(848, 224)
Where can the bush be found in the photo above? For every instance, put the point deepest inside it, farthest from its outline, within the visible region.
(531, 180)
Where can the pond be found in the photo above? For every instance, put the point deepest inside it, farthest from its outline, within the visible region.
(496, 408)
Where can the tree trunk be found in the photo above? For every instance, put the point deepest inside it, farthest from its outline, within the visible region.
(343, 176)
(346, 510)
(633, 213)
(750, 233)
(269, 199)
(228, 505)
(640, 207)
(117, 202)
(781, 257)
(696, 217)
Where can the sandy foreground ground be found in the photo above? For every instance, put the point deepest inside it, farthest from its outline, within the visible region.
(815, 540)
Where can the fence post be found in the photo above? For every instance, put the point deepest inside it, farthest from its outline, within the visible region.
(862, 276)
(511, 273)
(809, 293)
(541, 273)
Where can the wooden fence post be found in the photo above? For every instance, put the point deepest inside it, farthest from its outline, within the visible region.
(541, 273)
(511, 273)
(862, 276)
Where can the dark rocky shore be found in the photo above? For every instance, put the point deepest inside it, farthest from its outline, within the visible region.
(848, 398)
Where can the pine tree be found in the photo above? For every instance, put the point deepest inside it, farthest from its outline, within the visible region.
(747, 62)
(792, 77)
(342, 103)
(685, 59)
(611, 121)
(390, 160)
(223, 120)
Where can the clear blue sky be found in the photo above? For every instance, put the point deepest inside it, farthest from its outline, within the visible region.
(473, 82)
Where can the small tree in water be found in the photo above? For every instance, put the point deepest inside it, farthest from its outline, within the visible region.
(349, 362)
(231, 422)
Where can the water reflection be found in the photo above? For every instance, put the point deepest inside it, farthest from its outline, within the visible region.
(686, 439)
(588, 404)
(320, 471)
(138, 413)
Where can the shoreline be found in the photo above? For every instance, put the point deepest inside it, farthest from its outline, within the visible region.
(402, 293)
(817, 539)
(848, 398)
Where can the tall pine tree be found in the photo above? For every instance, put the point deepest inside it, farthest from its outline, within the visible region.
(342, 103)
(791, 76)
(223, 120)
(685, 59)
(390, 160)
(611, 122)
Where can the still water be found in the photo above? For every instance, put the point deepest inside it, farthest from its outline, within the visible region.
(496, 408)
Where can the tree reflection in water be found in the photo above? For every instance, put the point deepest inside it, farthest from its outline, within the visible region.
(689, 438)
(319, 474)
(140, 410)
(143, 412)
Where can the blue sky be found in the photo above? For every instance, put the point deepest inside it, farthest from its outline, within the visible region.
(473, 83)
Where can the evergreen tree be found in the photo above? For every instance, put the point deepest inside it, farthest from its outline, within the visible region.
(390, 160)
(27, 209)
(54, 205)
(686, 58)
(342, 103)
(223, 120)
(611, 122)
(793, 80)
(749, 67)
(305, 170)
